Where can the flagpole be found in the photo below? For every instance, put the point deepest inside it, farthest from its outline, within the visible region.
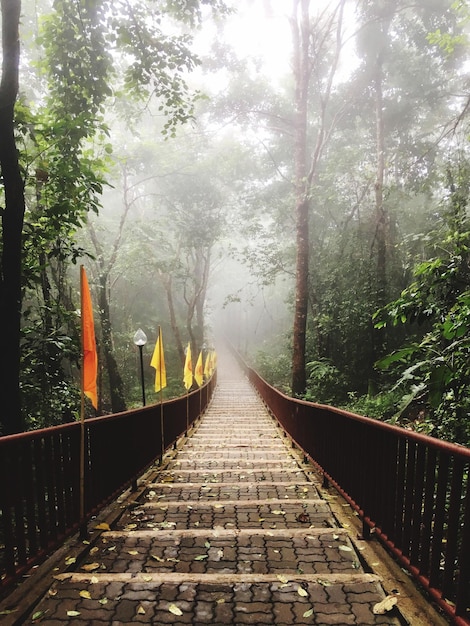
(200, 397)
(83, 530)
(161, 387)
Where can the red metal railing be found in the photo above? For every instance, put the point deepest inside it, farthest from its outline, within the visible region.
(40, 473)
(411, 489)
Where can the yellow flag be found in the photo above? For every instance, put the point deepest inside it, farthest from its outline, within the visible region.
(158, 362)
(89, 354)
(188, 368)
(199, 371)
(207, 366)
(211, 362)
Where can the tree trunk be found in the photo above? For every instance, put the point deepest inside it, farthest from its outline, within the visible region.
(301, 38)
(380, 210)
(377, 337)
(12, 224)
(307, 53)
(116, 386)
(168, 285)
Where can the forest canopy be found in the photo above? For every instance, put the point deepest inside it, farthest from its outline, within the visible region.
(290, 174)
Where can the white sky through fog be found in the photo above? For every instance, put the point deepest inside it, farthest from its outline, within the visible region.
(260, 29)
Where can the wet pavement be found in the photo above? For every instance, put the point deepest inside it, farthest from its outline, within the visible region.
(232, 528)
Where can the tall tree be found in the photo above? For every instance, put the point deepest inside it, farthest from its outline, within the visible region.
(76, 39)
(12, 221)
(312, 44)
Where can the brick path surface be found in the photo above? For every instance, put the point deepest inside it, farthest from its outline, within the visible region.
(230, 529)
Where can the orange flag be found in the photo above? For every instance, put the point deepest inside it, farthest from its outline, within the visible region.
(199, 371)
(89, 354)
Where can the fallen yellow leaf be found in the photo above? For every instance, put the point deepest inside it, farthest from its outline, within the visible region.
(175, 610)
(85, 594)
(90, 567)
(301, 591)
(103, 526)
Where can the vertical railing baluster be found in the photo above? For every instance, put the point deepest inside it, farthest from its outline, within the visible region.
(418, 502)
(19, 505)
(29, 492)
(428, 511)
(397, 532)
(439, 520)
(453, 531)
(462, 596)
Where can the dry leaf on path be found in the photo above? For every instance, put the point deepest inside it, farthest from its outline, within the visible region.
(90, 567)
(385, 605)
(175, 610)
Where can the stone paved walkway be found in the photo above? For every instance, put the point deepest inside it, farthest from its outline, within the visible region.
(232, 529)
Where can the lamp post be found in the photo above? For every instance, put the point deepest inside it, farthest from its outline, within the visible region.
(140, 339)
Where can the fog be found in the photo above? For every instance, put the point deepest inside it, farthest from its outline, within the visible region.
(278, 196)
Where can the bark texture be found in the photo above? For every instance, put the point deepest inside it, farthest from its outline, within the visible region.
(12, 217)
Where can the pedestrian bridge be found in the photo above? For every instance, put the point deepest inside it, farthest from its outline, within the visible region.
(234, 505)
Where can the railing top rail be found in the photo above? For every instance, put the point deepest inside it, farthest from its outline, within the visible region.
(61, 428)
(403, 433)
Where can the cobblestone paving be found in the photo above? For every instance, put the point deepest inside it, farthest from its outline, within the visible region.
(232, 530)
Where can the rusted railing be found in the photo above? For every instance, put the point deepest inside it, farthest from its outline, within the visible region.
(40, 473)
(411, 489)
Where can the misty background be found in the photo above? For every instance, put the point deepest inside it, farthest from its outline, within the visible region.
(322, 159)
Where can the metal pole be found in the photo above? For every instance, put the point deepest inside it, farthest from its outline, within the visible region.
(142, 374)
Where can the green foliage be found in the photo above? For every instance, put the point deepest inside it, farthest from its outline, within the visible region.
(435, 368)
(325, 383)
(382, 406)
(89, 50)
(49, 396)
(275, 369)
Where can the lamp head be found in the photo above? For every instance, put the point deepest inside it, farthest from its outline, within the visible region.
(140, 338)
